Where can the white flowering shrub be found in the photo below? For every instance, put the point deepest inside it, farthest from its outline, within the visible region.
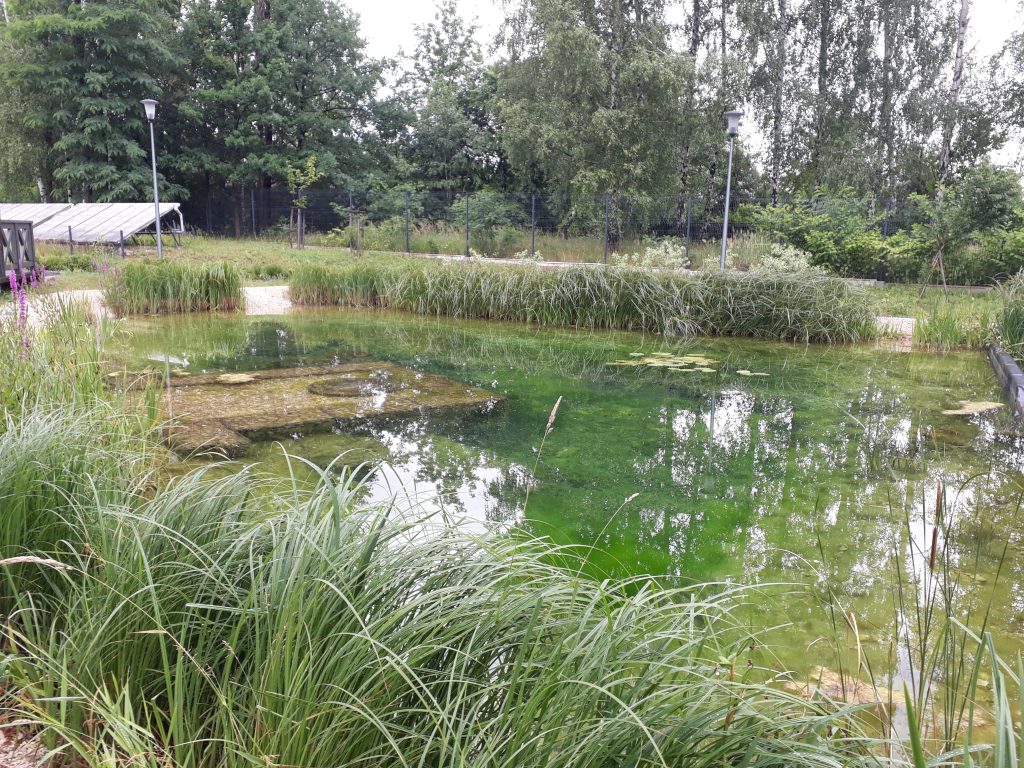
(786, 258)
(667, 253)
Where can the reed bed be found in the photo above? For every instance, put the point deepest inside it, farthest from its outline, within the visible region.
(162, 287)
(1010, 321)
(770, 306)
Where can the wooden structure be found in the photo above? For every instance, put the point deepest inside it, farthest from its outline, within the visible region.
(17, 251)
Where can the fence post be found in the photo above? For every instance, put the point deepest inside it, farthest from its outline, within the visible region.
(533, 226)
(353, 237)
(606, 228)
(408, 247)
(252, 209)
(689, 221)
(71, 242)
(467, 226)
(120, 242)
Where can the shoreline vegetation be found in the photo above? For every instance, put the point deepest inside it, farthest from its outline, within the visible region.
(196, 621)
(961, 319)
(801, 307)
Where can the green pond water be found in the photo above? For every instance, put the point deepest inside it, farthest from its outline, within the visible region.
(823, 471)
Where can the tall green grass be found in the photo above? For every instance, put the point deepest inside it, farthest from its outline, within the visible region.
(773, 306)
(222, 623)
(946, 324)
(157, 287)
(1010, 322)
(58, 362)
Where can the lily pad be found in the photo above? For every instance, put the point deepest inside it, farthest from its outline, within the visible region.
(745, 372)
(970, 407)
(666, 360)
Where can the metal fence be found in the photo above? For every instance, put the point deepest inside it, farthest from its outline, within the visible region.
(504, 225)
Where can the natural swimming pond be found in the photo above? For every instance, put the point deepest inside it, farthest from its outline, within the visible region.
(750, 462)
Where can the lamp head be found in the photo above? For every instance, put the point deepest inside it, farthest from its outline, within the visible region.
(732, 120)
(150, 105)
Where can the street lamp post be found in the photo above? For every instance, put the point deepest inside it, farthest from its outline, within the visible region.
(732, 118)
(150, 105)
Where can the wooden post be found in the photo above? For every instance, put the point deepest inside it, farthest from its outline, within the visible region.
(120, 242)
(408, 247)
(71, 242)
(533, 226)
(606, 229)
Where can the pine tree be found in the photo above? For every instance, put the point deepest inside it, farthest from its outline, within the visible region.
(81, 69)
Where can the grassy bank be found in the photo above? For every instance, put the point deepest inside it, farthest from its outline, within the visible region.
(799, 307)
(159, 287)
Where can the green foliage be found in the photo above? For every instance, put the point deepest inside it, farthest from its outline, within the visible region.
(70, 262)
(989, 198)
(786, 258)
(587, 101)
(778, 306)
(301, 178)
(271, 82)
(1010, 322)
(268, 271)
(835, 232)
(156, 287)
(79, 70)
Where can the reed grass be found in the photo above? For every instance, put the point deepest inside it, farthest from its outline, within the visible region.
(934, 698)
(945, 324)
(1010, 321)
(161, 287)
(771, 306)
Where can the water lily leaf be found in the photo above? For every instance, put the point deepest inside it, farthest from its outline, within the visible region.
(745, 372)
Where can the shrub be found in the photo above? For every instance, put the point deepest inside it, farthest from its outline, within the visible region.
(155, 287)
(68, 262)
(666, 253)
(269, 271)
(907, 258)
(786, 258)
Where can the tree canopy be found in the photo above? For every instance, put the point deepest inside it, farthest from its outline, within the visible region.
(577, 99)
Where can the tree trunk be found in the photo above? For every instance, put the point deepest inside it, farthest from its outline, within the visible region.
(954, 94)
(885, 116)
(722, 31)
(824, 40)
(781, 30)
(696, 38)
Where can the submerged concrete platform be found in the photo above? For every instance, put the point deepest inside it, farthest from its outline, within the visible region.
(223, 413)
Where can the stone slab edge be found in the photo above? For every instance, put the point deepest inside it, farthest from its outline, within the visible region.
(1010, 376)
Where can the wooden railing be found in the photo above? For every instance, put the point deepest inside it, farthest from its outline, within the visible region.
(17, 250)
